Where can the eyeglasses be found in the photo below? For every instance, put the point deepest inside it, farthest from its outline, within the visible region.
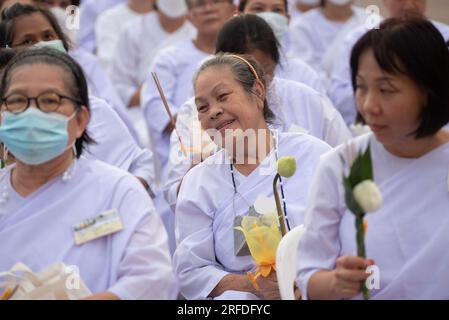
(199, 4)
(46, 102)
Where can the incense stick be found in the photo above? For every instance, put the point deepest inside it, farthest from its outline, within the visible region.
(167, 109)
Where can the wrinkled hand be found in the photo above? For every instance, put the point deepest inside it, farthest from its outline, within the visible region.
(269, 289)
(346, 278)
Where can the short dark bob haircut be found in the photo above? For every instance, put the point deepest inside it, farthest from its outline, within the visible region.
(244, 33)
(415, 48)
(76, 85)
(243, 3)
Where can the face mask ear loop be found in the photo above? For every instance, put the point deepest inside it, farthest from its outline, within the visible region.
(4, 159)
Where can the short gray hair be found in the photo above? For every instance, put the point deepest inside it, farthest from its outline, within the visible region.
(243, 68)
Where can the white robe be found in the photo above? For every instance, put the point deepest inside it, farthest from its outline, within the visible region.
(108, 26)
(175, 67)
(205, 216)
(296, 108)
(407, 237)
(340, 88)
(89, 12)
(313, 34)
(136, 48)
(297, 70)
(115, 145)
(37, 230)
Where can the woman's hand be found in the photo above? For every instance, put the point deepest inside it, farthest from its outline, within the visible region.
(269, 289)
(347, 276)
(342, 282)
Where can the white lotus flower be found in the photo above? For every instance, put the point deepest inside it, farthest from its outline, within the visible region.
(368, 196)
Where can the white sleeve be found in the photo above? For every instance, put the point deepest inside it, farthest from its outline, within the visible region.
(85, 37)
(335, 130)
(302, 44)
(180, 161)
(194, 260)
(106, 39)
(124, 66)
(145, 270)
(320, 245)
(143, 167)
(340, 89)
(153, 108)
(178, 165)
(114, 143)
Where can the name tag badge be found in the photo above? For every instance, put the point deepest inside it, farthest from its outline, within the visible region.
(108, 222)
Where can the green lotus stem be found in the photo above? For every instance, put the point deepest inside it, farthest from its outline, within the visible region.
(3, 164)
(360, 237)
(278, 205)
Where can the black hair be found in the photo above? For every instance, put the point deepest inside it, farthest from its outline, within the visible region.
(243, 3)
(245, 33)
(6, 55)
(73, 71)
(243, 74)
(415, 48)
(9, 16)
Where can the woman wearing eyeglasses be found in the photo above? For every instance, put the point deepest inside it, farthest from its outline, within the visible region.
(51, 191)
(26, 27)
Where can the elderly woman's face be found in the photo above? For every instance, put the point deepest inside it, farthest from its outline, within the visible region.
(403, 8)
(390, 104)
(31, 29)
(35, 79)
(208, 17)
(224, 105)
(256, 6)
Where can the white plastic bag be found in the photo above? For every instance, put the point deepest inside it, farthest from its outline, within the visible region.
(56, 282)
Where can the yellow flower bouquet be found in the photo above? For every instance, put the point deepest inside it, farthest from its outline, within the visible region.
(262, 235)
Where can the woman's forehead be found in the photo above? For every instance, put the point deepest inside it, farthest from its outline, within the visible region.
(38, 76)
(29, 24)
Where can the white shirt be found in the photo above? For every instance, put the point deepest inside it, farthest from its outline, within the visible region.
(405, 237)
(133, 263)
(206, 209)
(313, 34)
(115, 145)
(110, 24)
(136, 48)
(175, 67)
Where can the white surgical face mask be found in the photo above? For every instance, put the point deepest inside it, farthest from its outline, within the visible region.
(172, 8)
(54, 44)
(340, 2)
(61, 16)
(277, 22)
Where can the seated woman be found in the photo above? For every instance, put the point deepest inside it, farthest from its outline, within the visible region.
(51, 189)
(26, 27)
(230, 97)
(297, 107)
(401, 92)
(251, 33)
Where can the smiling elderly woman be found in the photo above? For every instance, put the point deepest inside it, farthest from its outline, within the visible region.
(51, 188)
(210, 259)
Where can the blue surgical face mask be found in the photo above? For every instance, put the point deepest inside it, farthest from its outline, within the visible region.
(35, 137)
(54, 44)
(277, 22)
